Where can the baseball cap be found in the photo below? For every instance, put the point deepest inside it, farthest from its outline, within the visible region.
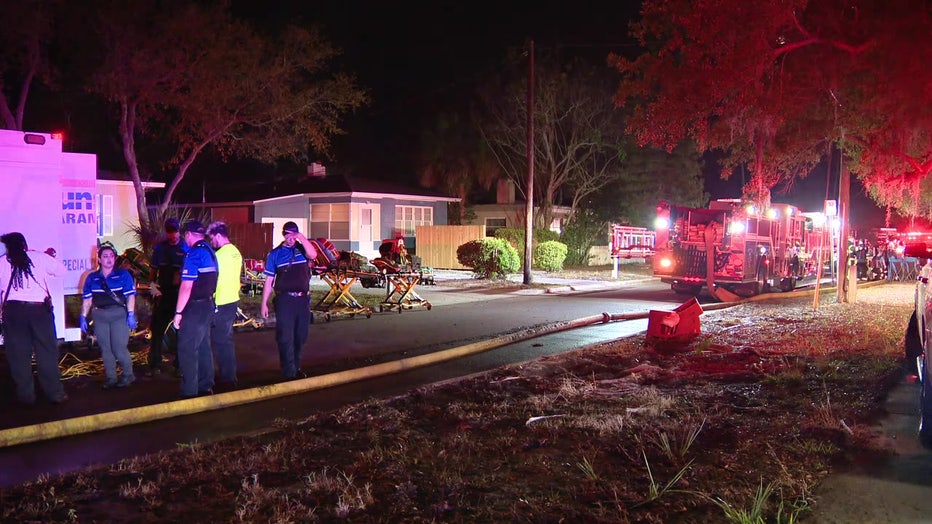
(194, 226)
(172, 225)
(289, 228)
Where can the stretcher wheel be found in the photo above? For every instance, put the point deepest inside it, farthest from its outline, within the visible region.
(368, 314)
(428, 306)
(327, 317)
(399, 309)
(381, 309)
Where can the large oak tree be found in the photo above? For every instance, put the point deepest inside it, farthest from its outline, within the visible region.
(189, 75)
(773, 83)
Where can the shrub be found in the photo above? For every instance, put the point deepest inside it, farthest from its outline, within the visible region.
(489, 257)
(550, 255)
(515, 237)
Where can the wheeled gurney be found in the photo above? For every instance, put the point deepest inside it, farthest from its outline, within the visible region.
(340, 270)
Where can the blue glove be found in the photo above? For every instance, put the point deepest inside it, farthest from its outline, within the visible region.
(131, 320)
(84, 327)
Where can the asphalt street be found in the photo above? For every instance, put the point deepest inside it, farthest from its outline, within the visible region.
(457, 318)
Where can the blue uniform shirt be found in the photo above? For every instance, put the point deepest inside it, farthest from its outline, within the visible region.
(119, 281)
(167, 260)
(200, 266)
(290, 264)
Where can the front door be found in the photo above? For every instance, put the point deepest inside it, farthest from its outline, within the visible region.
(366, 213)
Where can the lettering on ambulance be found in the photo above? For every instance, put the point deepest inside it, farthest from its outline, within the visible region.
(78, 208)
(77, 264)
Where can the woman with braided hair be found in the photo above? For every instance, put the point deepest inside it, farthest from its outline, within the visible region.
(28, 321)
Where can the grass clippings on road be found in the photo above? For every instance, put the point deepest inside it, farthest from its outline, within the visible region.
(744, 420)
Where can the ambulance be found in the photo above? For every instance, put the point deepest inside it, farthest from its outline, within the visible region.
(50, 196)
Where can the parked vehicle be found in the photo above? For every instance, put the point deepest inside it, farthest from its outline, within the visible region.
(734, 247)
(50, 196)
(918, 340)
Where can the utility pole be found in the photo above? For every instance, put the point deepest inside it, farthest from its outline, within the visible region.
(844, 216)
(529, 208)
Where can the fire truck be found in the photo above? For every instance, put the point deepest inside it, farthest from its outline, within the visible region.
(732, 248)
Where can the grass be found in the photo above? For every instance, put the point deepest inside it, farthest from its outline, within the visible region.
(617, 432)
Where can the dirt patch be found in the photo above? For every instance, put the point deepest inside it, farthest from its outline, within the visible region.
(769, 400)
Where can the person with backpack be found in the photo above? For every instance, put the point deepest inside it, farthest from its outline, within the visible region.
(29, 320)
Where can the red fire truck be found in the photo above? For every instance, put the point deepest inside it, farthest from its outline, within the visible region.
(732, 246)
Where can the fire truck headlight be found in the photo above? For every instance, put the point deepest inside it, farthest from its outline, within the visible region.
(666, 263)
(661, 223)
(736, 228)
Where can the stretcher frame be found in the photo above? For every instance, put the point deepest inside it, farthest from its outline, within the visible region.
(339, 300)
(400, 293)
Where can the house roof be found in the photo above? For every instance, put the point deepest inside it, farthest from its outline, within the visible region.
(104, 175)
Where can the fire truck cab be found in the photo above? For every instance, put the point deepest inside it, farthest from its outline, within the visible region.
(729, 245)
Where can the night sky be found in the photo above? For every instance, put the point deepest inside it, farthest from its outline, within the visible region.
(416, 58)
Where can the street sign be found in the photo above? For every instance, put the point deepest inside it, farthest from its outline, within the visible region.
(831, 208)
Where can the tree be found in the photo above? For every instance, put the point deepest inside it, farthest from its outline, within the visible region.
(24, 38)
(577, 131)
(645, 177)
(454, 159)
(773, 82)
(191, 76)
(650, 175)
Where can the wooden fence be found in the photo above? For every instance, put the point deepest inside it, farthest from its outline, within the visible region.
(252, 240)
(436, 245)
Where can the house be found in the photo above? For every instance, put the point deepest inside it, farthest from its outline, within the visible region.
(507, 213)
(117, 215)
(354, 213)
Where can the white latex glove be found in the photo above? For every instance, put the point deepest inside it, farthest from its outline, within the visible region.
(154, 290)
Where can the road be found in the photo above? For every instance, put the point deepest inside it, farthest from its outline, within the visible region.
(457, 318)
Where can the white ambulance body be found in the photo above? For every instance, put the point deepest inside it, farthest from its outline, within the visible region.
(50, 196)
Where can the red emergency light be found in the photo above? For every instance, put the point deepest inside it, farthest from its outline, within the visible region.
(34, 139)
(58, 136)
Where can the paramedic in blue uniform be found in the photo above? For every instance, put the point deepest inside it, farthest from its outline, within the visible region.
(194, 312)
(288, 273)
(110, 297)
(166, 278)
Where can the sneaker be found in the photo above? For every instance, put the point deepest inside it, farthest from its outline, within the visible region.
(110, 384)
(61, 400)
(125, 381)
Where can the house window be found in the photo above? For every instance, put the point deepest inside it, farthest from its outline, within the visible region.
(104, 215)
(330, 221)
(409, 217)
(492, 225)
